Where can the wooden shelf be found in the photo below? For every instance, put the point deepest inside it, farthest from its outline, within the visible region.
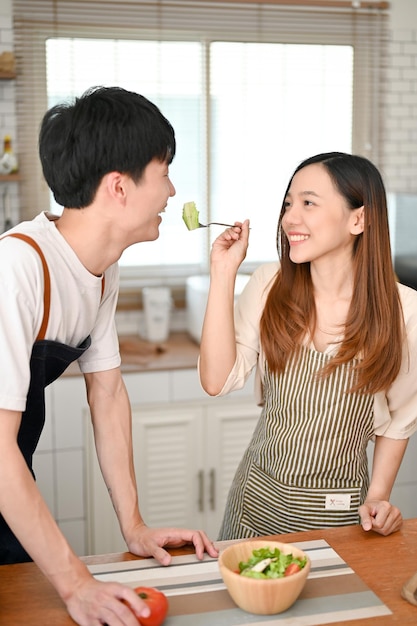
(7, 75)
(9, 178)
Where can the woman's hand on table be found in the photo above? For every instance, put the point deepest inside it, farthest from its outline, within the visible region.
(150, 542)
(380, 516)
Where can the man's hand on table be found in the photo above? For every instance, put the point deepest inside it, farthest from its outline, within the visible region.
(113, 603)
(380, 516)
(95, 602)
(150, 542)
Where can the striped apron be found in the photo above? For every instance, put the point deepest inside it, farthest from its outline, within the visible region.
(306, 466)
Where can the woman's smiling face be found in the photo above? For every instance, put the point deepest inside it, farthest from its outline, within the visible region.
(317, 221)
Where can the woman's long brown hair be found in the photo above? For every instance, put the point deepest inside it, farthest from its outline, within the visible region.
(374, 329)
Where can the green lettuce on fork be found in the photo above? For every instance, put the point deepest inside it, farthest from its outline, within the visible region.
(190, 215)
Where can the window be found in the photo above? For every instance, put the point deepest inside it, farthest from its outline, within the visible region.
(248, 102)
(269, 106)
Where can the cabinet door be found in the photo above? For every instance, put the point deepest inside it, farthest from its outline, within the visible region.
(229, 427)
(168, 448)
(168, 453)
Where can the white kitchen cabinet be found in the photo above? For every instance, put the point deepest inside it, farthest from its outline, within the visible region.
(187, 446)
(185, 457)
(59, 458)
(229, 427)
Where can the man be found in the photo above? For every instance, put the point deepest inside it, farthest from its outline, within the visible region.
(106, 159)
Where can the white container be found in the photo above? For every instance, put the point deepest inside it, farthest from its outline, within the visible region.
(196, 294)
(157, 303)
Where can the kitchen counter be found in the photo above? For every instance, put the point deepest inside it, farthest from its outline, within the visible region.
(384, 564)
(138, 355)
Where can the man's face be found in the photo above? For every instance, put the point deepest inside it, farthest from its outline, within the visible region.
(147, 200)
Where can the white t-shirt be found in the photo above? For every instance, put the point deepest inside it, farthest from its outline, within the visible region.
(395, 411)
(77, 308)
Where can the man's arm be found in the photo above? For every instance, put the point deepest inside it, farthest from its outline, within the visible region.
(112, 424)
(21, 504)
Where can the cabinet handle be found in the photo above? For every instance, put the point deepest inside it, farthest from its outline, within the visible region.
(200, 499)
(212, 489)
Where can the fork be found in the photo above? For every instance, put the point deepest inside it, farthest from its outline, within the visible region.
(214, 223)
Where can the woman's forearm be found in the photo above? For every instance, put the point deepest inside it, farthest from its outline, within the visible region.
(388, 455)
(218, 343)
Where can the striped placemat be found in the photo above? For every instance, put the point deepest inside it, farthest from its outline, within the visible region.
(198, 597)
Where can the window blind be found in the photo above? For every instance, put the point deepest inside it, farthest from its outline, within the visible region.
(363, 25)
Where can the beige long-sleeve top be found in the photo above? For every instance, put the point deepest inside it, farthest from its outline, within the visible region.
(395, 411)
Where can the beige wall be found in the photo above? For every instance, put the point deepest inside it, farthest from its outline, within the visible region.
(5, 7)
(403, 14)
(399, 107)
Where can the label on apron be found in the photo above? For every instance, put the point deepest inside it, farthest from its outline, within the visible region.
(337, 502)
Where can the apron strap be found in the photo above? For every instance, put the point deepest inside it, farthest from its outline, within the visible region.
(47, 283)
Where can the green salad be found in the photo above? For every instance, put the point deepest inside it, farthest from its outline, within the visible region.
(267, 563)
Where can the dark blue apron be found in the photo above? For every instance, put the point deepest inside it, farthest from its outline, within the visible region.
(49, 359)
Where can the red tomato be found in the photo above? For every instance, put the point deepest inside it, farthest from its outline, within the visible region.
(292, 568)
(157, 602)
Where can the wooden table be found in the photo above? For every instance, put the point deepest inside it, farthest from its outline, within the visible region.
(383, 563)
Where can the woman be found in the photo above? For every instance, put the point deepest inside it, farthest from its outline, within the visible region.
(333, 337)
